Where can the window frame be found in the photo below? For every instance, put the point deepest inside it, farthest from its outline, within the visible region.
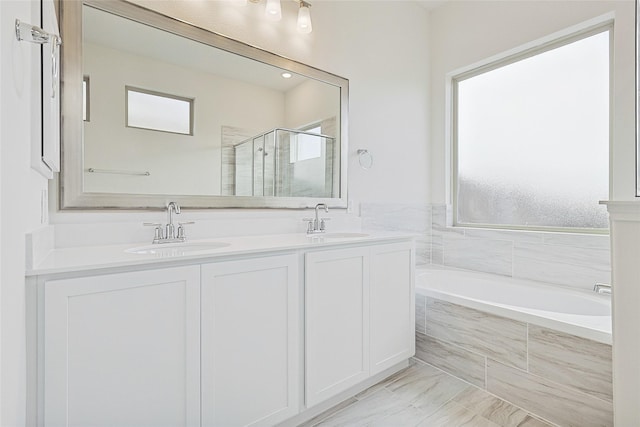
(190, 101)
(556, 40)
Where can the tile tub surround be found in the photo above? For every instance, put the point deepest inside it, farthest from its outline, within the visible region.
(566, 259)
(562, 376)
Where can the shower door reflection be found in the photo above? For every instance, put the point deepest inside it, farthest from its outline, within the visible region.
(285, 163)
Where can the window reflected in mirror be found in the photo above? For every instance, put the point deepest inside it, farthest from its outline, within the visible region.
(159, 111)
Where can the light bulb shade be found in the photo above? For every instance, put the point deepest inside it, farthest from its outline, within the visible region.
(304, 19)
(273, 10)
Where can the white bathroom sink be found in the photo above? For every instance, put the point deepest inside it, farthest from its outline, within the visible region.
(174, 249)
(339, 235)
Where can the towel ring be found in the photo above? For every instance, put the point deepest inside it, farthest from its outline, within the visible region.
(365, 158)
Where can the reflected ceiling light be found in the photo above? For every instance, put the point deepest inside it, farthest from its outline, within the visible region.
(286, 75)
(273, 11)
(304, 18)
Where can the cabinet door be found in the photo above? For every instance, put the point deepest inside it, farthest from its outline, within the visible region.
(250, 340)
(123, 349)
(336, 327)
(392, 305)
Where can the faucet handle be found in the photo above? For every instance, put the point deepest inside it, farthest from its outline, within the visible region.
(309, 222)
(322, 223)
(181, 225)
(157, 235)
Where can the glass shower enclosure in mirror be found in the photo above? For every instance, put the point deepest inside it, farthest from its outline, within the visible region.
(167, 111)
(283, 163)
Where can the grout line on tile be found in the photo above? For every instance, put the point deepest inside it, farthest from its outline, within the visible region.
(523, 409)
(488, 392)
(486, 372)
(557, 384)
(424, 310)
(448, 373)
(527, 353)
(330, 414)
(468, 350)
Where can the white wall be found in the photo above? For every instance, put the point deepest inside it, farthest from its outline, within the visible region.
(20, 193)
(465, 32)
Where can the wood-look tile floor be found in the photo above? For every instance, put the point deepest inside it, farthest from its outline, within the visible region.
(424, 396)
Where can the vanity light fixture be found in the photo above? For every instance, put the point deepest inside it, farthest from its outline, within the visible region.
(304, 18)
(273, 12)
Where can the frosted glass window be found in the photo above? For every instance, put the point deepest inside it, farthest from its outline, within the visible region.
(532, 139)
(158, 111)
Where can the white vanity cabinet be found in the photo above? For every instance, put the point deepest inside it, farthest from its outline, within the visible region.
(336, 322)
(247, 339)
(250, 341)
(392, 305)
(359, 315)
(122, 349)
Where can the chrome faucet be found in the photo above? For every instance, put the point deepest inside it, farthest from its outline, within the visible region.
(317, 225)
(169, 233)
(172, 208)
(602, 288)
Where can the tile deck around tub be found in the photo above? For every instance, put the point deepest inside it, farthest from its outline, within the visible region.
(422, 395)
(557, 403)
(576, 362)
(451, 358)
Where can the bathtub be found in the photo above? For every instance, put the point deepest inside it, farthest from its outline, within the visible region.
(581, 313)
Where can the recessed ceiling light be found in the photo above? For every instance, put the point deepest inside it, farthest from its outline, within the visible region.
(286, 75)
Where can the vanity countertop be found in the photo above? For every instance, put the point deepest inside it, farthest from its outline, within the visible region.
(86, 258)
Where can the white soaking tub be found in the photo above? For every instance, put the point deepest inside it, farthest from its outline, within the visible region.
(577, 312)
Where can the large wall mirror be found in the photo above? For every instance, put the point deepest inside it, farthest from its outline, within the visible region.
(155, 109)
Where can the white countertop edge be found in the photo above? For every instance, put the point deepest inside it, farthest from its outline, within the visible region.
(87, 258)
